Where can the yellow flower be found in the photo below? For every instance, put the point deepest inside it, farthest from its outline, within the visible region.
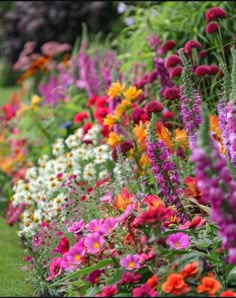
(140, 133)
(115, 89)
(109, 120)
(35, 100)
(125, 103)
(21, 111)
(118, 112)
(132, 93)
(181, 137)
(113, 139)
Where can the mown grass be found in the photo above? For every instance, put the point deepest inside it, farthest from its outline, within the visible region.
(13, 281)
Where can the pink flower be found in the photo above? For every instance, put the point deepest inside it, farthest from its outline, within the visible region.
(108, 291)
(126, 213)
(167, 46)
(202, 70)
(191, 44)
(75, 255)
(94, 277)
(94, 225)
(153, 106)
(214, 69)
(108, 226)
(232, 255)
(63, 246)
(94, 243)
(212, 27)
(66, 262)
(36, 241)
(172, 60)
(130, 262)
(55, 268)
(176, 71)
(178, 240)
(197, 222)
(144, 291)
(171, 93)
(76, 227)
(202, 54)
(129, 277)
(107, 198)
(215, 13)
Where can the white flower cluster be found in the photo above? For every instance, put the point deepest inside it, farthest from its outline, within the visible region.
(42, 189)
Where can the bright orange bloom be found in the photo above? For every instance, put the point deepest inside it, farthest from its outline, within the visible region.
(175, 285)
(125, 104)
(144, 160)
(228, 293)
(181, 138)
(208, 285)
(153, 201)
(123, 200)
(164, 134)
(132, 93)
(152, 281)
(214, 125)
(192, 190)
(113, 139)
(190, 270)
(140, 133)
(115, 89)
(109, 120)
(118, 112)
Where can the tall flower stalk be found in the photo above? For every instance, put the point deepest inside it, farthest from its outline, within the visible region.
(217, 186)
(190, 103)
(164, 169)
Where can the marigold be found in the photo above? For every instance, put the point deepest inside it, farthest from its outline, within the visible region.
(125, 103)
(132, 93)
(118, 112)
(208, 285)
(140, 133)
(175, 285)
(115, 89)
(190, 269)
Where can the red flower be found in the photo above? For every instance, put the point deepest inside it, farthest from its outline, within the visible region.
(202, 70)
(214, 69)
(212, 27)
(124, 147)
(63, 246)
(8, 111)
(153, 106)
(171, 93)
(86, 127)
(168, 115)
(172, 60)
(228, 293)
(202, 54)
(167, 46)
(191, 44)
(100, 113)
(137, 115)
(129, 277)
(176, 71)
(108, 291)
(215, 13)
(144, 291)
(80, 117)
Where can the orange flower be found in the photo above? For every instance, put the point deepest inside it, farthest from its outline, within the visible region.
(153, 201)
(118, 112)
(115, 89)
(140, 133)
(144, 160)
(175, 285)
(125, 104)
(123, 200)
(190, 270)
(109, 120)
(208, 285)
(180, 138)
(113, 139)
(164, 134)
(192, 190)
(152, 281)
(228, 293)
(132, 93)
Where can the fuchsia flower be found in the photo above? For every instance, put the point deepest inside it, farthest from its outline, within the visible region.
(232, 255)
(94, 277)
(215, 13)
(191, 44)
(144, 291)
(63, 246)
(94, 243)
(108, 226)
(202, 70)
(130, 262)
(129, 277)
(212, 27)
(55, 268)
(153, 106)
(171, 93)
(167, 46)
(175, 71)
(80, 117)
(172, 60)
(76, 227)
(178, 240)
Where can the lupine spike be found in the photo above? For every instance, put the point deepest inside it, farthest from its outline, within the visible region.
(233, 75)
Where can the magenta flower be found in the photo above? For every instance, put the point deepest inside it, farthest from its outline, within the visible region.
(66, 262)
(94, 277)
(108, 226)
(108, 291)
(178, 240)
(94, 243)
(130, 262)
(55, 268)
(144, 291)
(76, 227)
(73, 257)
(94, 225)
(232, 255)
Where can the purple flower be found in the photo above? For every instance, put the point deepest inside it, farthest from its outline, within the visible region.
(76, 227)
(232, 255)
(130, 262)
(108, 226)
(178, 240)
(94, 243)
(122, 7)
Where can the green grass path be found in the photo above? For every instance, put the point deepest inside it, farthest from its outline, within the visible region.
(13, 281)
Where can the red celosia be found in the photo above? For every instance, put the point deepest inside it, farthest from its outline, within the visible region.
(100, 113)
(172, 60)
(138, 115)
(191, 44)
(167, 46)
(212, 27)
(215, 13)
(175, 71)
(202, 54)
(153, 106)
(156, 215)
(168, 115)
(214, 69)
(171, 93)
(80, 117)
(124, 147)
(202, 70)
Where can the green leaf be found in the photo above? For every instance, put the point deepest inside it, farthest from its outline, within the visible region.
(231, 279)
(117, 277)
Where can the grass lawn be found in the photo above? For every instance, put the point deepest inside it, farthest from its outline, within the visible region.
(13, 281)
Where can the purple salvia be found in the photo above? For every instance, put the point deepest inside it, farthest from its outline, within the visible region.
(231, 130)
(162, 74)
